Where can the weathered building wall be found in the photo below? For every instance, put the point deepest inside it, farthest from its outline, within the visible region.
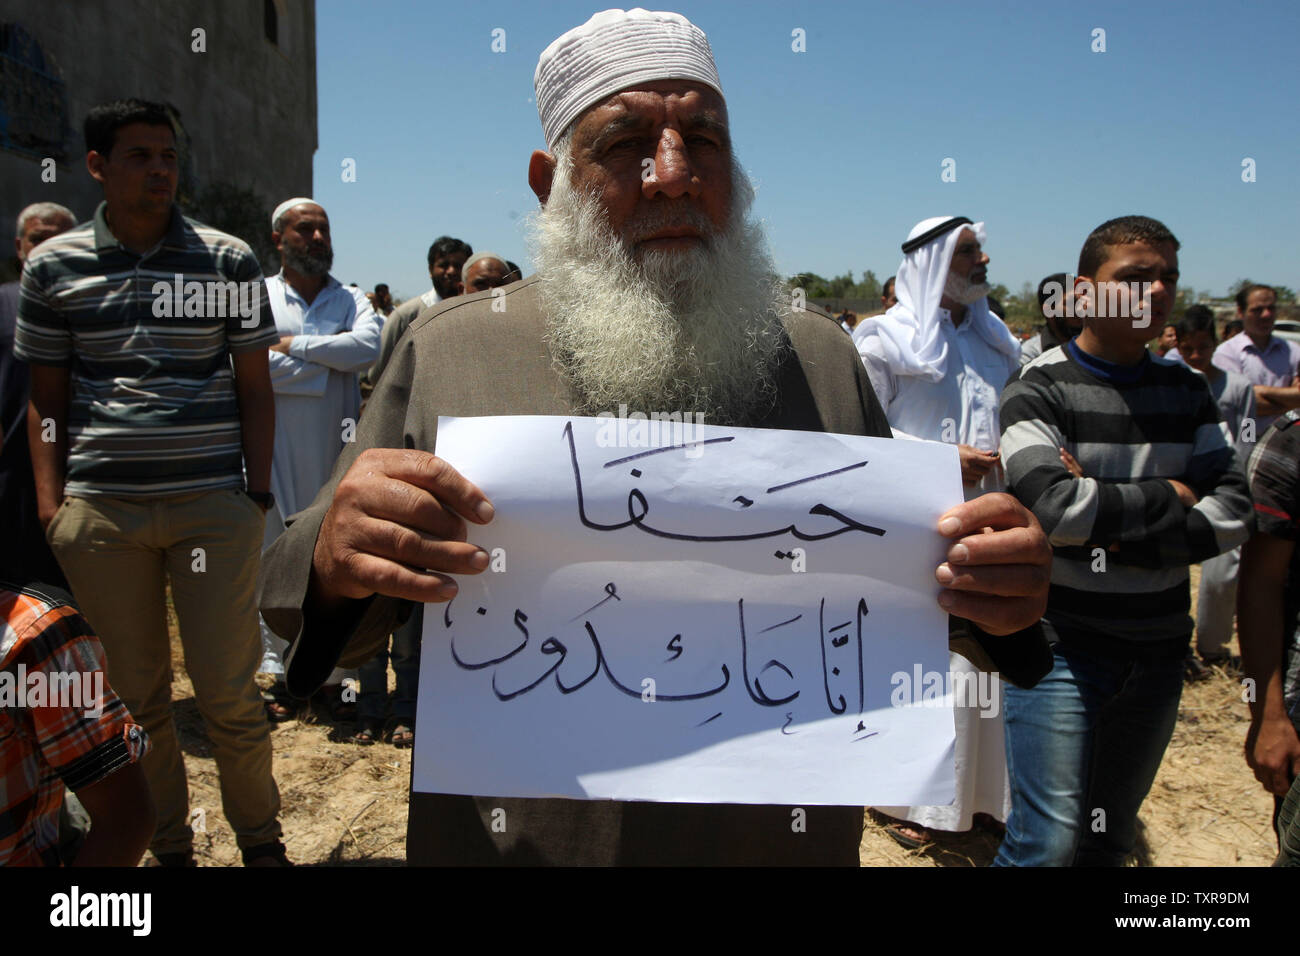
(247, 104)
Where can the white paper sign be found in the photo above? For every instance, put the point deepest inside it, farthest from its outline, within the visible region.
(700, 614)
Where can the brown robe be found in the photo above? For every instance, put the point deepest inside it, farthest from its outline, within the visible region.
(462, 358)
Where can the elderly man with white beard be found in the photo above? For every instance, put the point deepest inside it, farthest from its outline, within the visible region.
(655, 291)
(938, 360)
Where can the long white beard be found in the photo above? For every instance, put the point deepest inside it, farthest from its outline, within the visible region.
(693, 332)
(960, 289)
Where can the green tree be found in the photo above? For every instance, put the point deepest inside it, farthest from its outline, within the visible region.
(869, 288)
(240, 212)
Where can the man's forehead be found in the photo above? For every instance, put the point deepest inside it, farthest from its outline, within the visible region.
(306, 211)
(648, 102)
(57, 221)
(1141, 254)
(141, 134)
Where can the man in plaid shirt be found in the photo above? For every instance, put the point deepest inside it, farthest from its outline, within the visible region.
(62, 725)
(1268, 626)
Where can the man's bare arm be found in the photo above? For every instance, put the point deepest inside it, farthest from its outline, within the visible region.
(1272, 747)
(256, 415)
(48, 404)
(122, 818)
(1276, 399)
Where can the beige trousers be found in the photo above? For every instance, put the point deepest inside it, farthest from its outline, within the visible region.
(115, 553)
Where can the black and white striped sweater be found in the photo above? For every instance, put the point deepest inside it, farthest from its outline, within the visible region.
(1121, 538)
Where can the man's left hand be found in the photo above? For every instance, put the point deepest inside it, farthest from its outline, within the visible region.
(999, 565)
(283, 344)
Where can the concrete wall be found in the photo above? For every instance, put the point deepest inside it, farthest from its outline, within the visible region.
(247, 105)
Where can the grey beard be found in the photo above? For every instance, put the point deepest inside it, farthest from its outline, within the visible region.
(694, 332)
(308, 264)
(960, 289)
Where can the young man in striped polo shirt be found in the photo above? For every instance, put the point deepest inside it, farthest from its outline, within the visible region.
(1160, 490)
(147, 335)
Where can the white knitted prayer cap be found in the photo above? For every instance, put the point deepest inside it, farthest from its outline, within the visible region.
(613, 51)
(288, 204)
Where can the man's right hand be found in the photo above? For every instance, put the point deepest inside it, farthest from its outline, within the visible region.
(975, 464)
(46, 510)
(395, 511)
(1273, 753)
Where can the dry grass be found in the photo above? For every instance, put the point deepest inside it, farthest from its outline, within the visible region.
(346, 805)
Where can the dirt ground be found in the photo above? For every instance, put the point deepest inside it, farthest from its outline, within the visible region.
(345, 805)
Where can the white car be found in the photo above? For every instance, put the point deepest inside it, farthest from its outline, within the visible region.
(1287, 329)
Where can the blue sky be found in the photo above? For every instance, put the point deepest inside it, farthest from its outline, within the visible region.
(845, 141)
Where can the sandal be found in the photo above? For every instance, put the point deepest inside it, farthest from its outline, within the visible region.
(403, 736)
(280, 706)
(366, 734)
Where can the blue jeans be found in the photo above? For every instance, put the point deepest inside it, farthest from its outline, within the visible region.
(406, 668)
(1088, 738)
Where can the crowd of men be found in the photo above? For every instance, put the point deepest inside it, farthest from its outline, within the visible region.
(210, 435)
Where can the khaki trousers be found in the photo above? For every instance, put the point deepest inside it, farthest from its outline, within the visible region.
(115, 553)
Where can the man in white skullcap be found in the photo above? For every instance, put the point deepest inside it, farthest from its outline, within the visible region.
(938, 360)
(654, 289)
(329, 333)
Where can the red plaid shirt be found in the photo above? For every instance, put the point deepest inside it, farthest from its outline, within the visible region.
(60, 722)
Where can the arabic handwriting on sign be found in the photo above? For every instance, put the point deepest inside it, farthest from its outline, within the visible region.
(612, 593)
(552, 646)
(638, 506)
(675, 645)
(836, 700)
(755, 689)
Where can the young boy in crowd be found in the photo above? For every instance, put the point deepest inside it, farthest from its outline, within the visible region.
(1235, 396)
(1161, 490)
(61, 724)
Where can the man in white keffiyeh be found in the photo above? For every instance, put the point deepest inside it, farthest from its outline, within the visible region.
(939, 358)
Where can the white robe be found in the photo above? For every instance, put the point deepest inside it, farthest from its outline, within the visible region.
(961, 407)
(317, 400)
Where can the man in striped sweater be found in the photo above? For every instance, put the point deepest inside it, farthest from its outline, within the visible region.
(1161, 491)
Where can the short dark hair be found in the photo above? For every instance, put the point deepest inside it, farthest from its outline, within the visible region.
(889, 284)
(513, 269)
(1060, 278)
(103, 121)
(1121, 232)
(382, 287)
(1197, 318)
(1244, 294)
(1233, 326)
(446, 245)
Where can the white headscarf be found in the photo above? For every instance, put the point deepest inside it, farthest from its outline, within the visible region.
(614, 50)
(909, 333)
